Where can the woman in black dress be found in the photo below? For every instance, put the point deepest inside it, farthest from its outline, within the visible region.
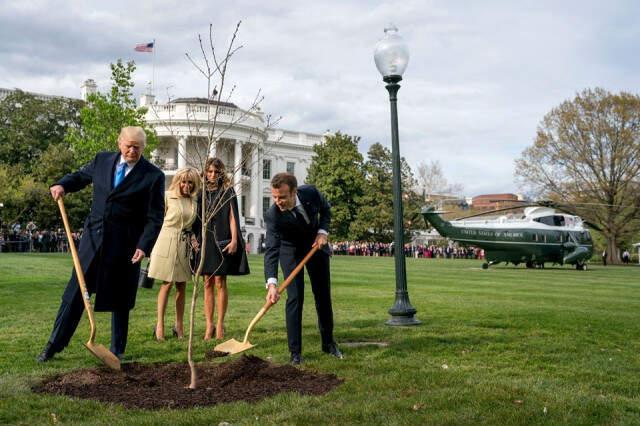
(224, 251)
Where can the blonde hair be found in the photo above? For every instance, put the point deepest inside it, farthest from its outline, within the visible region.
(185, 174)
(133, 131)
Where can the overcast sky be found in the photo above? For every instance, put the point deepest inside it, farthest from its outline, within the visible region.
(482, 74)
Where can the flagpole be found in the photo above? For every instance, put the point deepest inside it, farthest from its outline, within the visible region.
(153, 68)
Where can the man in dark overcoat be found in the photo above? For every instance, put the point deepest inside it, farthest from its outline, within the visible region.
(125, 218)
(298, 220)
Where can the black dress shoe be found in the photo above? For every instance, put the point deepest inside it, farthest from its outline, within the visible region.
(332, 349)
(47, 353)
(296, 358)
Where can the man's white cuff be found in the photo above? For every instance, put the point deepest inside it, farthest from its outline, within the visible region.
(323, 232)
(271, 281)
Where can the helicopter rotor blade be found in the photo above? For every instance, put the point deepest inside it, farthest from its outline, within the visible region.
(494, 211)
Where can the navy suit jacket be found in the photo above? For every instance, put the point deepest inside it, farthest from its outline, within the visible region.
(288, 236)
(121, 220)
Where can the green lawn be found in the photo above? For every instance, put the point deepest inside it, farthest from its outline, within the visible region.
(502, 346)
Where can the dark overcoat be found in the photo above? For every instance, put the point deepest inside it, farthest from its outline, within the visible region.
(286, 237)
(218, 229)
(121, 220)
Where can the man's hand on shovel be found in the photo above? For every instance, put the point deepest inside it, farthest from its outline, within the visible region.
(272, 294)
(57, 191)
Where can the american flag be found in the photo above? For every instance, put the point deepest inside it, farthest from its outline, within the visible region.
(144, 47)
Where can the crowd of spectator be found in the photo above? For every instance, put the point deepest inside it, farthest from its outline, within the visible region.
(23, 239)
(359, 248)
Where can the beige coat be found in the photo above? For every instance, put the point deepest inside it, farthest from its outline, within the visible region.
(170, 255)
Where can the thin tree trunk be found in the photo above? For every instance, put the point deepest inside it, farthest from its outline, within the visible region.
(192, 365)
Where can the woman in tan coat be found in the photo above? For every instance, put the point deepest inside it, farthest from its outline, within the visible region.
(170, 256)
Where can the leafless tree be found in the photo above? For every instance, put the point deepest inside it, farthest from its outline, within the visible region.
(431, 181)
(206, 136)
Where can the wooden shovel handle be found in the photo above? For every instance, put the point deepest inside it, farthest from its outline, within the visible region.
(297, 269)
(78, 268)
(282, 287)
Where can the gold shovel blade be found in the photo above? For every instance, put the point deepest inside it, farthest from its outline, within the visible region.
(104, 355)
(233, 346)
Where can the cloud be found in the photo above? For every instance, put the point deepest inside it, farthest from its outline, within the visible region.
(481, 75)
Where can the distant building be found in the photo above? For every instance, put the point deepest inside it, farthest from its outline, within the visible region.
(6, 92)
(495, 201)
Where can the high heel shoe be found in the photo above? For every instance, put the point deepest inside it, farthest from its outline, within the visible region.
(222, 334)
(154, 336)
(208, 337)
(175, 333)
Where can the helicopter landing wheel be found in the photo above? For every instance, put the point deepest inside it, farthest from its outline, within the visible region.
(485, 266)
(581, 266)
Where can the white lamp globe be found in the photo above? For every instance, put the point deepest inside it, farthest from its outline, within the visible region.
(391, 54)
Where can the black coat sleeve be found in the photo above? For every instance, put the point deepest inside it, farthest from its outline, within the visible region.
(196, 227)
(273, 241)
(155, 215)
(74, 182)
(325, 212)
(236, 214)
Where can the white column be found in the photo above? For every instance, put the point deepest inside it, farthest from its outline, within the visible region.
(256, 175)
(182, 152)
(237, 176)
(213, 149)
(255, 180)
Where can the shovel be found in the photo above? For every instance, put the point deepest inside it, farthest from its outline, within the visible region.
(102, 353)
(233, 346)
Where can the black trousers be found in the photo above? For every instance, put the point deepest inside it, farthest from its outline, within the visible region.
(319, 274)
(69, 315)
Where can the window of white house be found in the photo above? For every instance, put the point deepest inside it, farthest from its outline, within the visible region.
(291, 167)
(266, 169)
(266, 203)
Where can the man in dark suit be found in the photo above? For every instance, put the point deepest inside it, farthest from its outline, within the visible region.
(121, 229)
(298, 220)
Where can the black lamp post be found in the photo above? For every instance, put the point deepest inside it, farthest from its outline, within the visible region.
(392, 56)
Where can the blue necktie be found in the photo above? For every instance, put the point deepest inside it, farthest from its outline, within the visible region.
(119, 174)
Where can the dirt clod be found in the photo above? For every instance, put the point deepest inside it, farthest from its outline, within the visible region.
(155, 386)
(215, 354)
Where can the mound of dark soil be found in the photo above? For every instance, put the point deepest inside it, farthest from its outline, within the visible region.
(153, 386)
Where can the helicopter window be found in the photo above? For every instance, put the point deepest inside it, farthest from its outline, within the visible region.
(546, 220)
(558, 220)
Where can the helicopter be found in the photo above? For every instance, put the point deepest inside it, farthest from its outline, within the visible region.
(541, 234)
